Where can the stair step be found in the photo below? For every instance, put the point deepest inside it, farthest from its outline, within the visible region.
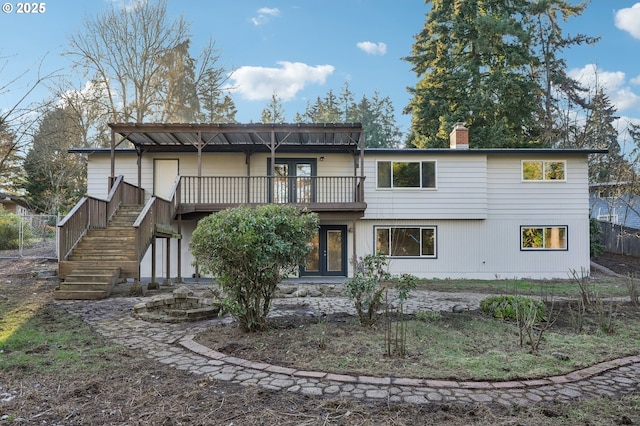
(104, 245)
(82, 277)
(100, 257)
(86, 286)
(80, 294)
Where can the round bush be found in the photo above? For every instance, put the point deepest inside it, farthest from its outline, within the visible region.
(508, 307)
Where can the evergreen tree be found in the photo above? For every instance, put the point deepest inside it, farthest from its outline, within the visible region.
(347, 104)
(600, 133)
(376, 115)
(11, 173)
(559, 92)
(378, 121)
(55, 179)
(473, 59)
(274, 112)
(177, 85)
(324, 110)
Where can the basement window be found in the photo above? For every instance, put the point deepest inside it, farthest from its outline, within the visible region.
(406, 242)
(543, 238)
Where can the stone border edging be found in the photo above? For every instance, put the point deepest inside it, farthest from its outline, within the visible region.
(188, 343)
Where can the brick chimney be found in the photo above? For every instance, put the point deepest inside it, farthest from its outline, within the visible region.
(459, 137)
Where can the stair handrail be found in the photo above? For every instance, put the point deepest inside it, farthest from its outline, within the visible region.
(145, 227)
(157, 211)
(93, 213)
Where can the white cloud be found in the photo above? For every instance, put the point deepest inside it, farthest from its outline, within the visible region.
(264, 15)
(613, 83)
(628, 20)
(130, 5)
(372, 48)
(259, 83)
(635, 80)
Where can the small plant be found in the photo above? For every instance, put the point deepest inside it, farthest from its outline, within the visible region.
(532, 326)
(582, 280)
(366, 288)
(606, 315)
(323, 325)
(633, 289)
(507, 307)
(397, 343)
(428, 316)
(577, 316)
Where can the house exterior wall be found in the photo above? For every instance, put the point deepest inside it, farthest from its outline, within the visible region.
(478, 219)
(218, 164)
(461, 191)
(478, 208)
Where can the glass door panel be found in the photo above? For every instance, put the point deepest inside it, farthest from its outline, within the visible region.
(328, 255)
(334, 251)
(312, 263)
(303, 183)
(281, 184)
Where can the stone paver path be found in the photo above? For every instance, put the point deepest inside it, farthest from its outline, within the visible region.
(173, 345)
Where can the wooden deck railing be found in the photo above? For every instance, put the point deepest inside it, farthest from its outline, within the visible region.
(226, 190)
(157, 212)
(91, 212)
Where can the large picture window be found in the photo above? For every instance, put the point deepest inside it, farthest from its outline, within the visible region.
(406, 174)
(406, 242)
(543, 237)
(543, 170)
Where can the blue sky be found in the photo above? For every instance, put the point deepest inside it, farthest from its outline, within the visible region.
(302, 48)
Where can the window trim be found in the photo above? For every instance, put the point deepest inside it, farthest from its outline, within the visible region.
(544, 228)
(544, 162)
(404, 188)
(420, 227)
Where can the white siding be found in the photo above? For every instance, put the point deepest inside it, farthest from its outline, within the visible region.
(510, 197)
(478, 207)
(461, 191)
(484, 249)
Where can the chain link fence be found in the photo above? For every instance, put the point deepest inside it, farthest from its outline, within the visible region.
(29, 235)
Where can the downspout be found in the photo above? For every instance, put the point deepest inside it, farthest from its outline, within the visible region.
(112, 178)
(140, 201)
(199, 146)
(247, 161)
(273, 153)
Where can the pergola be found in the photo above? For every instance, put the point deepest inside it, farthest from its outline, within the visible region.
(246, 138)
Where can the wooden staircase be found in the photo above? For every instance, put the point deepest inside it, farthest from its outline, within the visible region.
(101, 258)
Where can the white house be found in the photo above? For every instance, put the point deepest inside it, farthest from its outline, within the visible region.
(438, 213)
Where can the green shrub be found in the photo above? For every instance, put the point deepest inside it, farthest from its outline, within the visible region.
(249, 251)
(9, 230)
(596, 248)
(507, 307)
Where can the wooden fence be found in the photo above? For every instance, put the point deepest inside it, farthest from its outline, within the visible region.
(620, 239)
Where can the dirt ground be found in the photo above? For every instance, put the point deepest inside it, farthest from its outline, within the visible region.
(137, 391)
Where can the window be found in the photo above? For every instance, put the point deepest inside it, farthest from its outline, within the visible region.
(406, 242)
(406, 174)
(543, 238)
(543, 170)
